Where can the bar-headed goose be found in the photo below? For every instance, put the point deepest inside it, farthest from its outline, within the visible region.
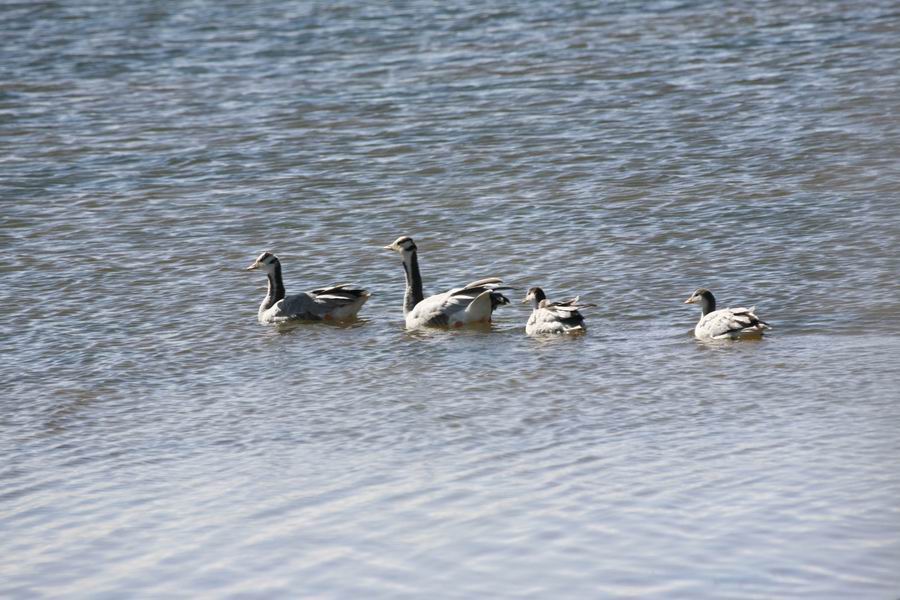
(473, 303)
(335, 303)
(553, 317)
(725, 323)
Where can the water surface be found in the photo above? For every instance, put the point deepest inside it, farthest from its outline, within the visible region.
(157, 441)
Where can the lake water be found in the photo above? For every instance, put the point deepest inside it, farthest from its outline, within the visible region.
(156, 441)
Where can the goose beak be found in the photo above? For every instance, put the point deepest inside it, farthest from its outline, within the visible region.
(524, 300)
(689, 300)
(252, 267)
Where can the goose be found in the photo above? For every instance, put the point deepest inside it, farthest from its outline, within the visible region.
(335, 303)
(553, 317)
(725, 323)
(473, 303)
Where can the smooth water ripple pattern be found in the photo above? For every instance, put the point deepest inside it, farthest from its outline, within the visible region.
(157, 441)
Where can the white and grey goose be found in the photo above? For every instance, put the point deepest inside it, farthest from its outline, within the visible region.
(473, 303)
(335, 303)
(553, 317)
(725, 323)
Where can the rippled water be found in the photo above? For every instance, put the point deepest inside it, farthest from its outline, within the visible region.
(156, 440)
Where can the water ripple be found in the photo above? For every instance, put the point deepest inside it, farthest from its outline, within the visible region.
(158, 439)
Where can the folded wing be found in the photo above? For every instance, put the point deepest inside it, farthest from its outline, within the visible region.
(475, 302)
(730, 322)
(336, 302)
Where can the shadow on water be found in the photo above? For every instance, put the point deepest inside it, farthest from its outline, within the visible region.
(600, 149)
(294, 324)
(550, 340)
(438, 332)
(726, 344)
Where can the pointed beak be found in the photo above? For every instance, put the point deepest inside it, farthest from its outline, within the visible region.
(524, 300)
(252, 267)
(689, 300)
(389, 247)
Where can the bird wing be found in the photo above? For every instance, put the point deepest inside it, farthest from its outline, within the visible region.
(543, 321)
(729, 321)
(338, 295)
(316, 304)
(476, 288)
(566, 309)
(296, 306)
(569, 302)
(554, 319)
(454, 305)
(487, 282)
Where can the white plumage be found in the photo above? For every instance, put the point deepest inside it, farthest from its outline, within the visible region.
(725, 323)
(334, 303)
(472, 303)
(554, 317)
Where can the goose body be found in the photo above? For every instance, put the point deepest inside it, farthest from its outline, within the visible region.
(554, 317)
(466, 305)
(334, 303)
(725, 323)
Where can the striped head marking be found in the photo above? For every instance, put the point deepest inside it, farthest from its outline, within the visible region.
(534, 294)
(265, 261)
(698, 296)
(402, 244)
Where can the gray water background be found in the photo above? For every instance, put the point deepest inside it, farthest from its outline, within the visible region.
(155, 440)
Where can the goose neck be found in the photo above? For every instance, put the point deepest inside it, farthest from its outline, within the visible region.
(414, 293)
(708, 303)
(276, 287)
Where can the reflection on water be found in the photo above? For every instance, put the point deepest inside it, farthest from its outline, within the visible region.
(156, 437)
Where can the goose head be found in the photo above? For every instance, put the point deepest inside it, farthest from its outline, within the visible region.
(266, 262)
(699, 296)
(704, 298)
(403, 244)
(535, 295)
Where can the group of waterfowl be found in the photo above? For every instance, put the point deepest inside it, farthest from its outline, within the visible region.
(469, 304)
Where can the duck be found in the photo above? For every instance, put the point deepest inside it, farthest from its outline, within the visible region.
(725, 323)
(547, 317)
(473, 303)
(334, 303)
